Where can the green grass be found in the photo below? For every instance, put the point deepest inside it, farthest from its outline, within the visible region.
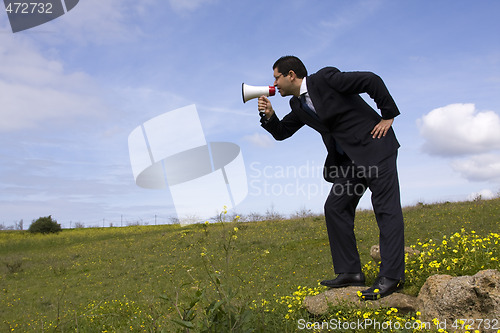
(140, 278)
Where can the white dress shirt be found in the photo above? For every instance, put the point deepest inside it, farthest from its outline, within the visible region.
(303, 90)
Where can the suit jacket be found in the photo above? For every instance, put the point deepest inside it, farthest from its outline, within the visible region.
(343, 117)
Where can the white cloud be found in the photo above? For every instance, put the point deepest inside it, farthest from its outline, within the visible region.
(459, 129)
(34, 88)
(484, 167)
(92, 21)
(187, 5)
(483, 194)
(29, 107)
(260, 140)
(101, 22)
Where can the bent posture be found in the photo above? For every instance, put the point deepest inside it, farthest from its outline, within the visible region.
(362, 151)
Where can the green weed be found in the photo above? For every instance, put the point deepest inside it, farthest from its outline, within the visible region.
(145, 278)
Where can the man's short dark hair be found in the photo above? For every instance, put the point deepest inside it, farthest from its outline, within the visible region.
(287, 63)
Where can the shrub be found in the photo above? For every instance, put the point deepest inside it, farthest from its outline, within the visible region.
(45, 225)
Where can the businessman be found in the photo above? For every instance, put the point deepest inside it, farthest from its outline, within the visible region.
(362, 151)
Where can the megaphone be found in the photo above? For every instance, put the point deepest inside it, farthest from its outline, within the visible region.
(249, 92)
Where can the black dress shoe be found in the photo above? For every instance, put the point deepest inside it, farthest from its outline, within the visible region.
(383, 286)
(345, 280)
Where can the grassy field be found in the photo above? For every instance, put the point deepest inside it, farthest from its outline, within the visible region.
(217, 277)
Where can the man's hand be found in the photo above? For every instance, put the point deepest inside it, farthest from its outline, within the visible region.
(381, 128)
(265, 106)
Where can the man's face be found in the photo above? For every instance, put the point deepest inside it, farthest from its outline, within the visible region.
(282, 82)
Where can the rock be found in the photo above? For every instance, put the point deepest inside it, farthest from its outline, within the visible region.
(375, 252)
(411, 251)
(348, 297)
(465, 297)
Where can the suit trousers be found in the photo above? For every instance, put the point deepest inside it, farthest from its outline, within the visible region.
(340, 210)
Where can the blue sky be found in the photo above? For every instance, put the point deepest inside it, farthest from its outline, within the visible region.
(73, 89)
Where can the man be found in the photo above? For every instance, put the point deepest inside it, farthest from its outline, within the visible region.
(362, 151)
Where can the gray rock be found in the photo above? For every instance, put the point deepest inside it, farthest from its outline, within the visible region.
(465, 297)
(375, 252)
(348, 297)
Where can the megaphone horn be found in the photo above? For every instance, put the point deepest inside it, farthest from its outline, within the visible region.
(249, 92)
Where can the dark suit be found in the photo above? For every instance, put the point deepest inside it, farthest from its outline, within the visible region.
(344, 119)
